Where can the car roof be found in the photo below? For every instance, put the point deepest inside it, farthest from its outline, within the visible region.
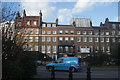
(68, 57)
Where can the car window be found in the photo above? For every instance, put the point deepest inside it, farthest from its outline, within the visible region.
(59, 61)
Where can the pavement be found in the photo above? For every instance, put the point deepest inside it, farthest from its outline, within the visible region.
(96, 74)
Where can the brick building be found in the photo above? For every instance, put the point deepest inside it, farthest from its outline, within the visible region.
(79, 38)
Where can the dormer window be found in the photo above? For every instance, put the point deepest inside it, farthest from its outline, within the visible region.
(53, 25)
(43, 25)
(48, 25)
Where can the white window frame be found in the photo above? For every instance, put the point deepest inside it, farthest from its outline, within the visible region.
(84, 32)
(90, 39)
(43, 25)
(84, 39)
(107, 40)
(48, 39)
(37, 31)
(54, 50)
(66, 32)
(28, 23)
(78, 39)
(60, 31)
(54, 32)
(78, 32)
(54, 39)
(60, 38)
(30, 39)
(90, 32)
(66, 39)
(48, 32)
(71, 38)
(48, 49)
(43, 39)
(31, 31)
(35, 23)
(107, 33)
(71, 32)
(101, 39)
(43, 49)
(36, 47)
(96, 39)
(49, 25)
(36, 39)
(43, 32)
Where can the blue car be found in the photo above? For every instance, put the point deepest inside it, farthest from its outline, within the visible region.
(65, 63)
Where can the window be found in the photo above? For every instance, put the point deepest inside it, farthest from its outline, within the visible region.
(91, 48)
(43, 32)
(30, 48)
(48, 25)
(54, 49)
(107, 33)
(78, 32)
(34, 22)
(84, 39)
(54, 39)
(66, 49)
(60, 38)
(78, 39)
(43, 25)
(60, 48)
(78, 48)
(43, 39)
(31, 31)
(25, 39)
(60, 31)
(103, 49)
(107, 39)
(72, 32)
(48, 32)
(96, 39)
(84, 32)
(36, 48)
(113, 26)
(113, 39)
(53, 25)
(48, 49)
(108, 49)
(48, 39)
(25, 31)
(102, 39)
(101, 33)
(66, 38)
(36, 39)
(30, 39)
(28, 22)
(72, 38)
(37, 31)
(43, 49)
(119, 26)
(90, 39)
(113, 32)
(96, 48)
(54, 32)
(96, 33)
(90, 32)
(66, 32)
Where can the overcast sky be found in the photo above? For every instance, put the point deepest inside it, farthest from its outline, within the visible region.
(64, 11)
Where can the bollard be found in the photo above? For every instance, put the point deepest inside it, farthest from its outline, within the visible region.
(88, 73)
(53, 73)
(70, 74)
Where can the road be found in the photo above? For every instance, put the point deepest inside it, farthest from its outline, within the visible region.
(96, 73)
